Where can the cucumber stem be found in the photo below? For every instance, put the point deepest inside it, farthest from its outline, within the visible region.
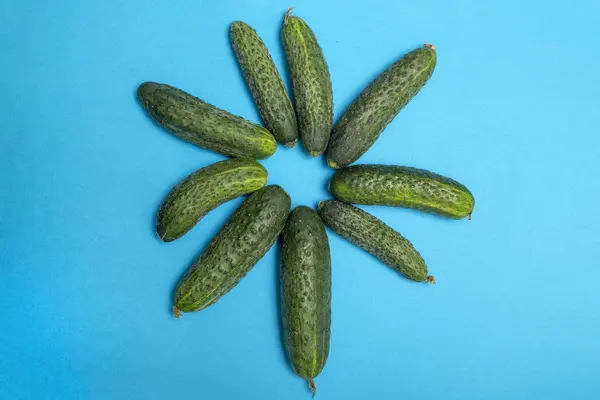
(430, 279)
(176, 312)
(288, 13)
(469, 216)
(332, 164)
(312, 387)
(320, 205)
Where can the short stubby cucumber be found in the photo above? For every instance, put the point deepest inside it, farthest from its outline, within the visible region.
(205, 190)
(311, 84)
(391, 185)
(203, 124)
(378, 104)
(306, 292)
(240, 244)
(264, 82)
(374, 236)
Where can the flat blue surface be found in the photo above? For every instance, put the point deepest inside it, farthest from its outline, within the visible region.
(512, 111)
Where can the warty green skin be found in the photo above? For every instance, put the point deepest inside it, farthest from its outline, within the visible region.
(203, 191)
(374, 236)
(264, 82)
(306, 292)
(203, 124)
(365, 119)
(240, 244)
(398, 186)
(311, 84)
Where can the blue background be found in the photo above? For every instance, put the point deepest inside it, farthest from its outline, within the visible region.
(85, 286)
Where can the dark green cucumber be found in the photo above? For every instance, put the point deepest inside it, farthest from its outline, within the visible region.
(390, 185)
(240, 244)
(306, 292)
(378, 104)
(203, 124)
(205, 190)
(313, 96)
(264, 82)
(374, 236)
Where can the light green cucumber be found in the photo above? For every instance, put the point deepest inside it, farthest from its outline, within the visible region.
(203, 191)
(391, 185)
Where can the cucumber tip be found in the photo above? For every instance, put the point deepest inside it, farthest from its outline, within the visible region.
(291, 144)
(312, 387)
(430, 46)
(430, 279)
(176, 312)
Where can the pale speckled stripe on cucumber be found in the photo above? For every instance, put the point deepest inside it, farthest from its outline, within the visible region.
(203, 124)
(376, 237)
(264, 82)
(365, 119)
(392, 185)
(203, 191)
(311, 83)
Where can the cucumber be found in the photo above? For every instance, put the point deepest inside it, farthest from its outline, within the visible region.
(374, 236)
(311, 84)
(264, 82)
(205, 190)
(203, 124)
(240, 244)
(404, 187)
(365, 119)
(306, 293)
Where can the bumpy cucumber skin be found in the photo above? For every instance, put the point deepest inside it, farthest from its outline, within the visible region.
(240, 244)
(203, 191)
(365, 119)
(311, 84)
(374, 236)
(264, 82)
(306, 292)
(203, 124)
(391, 185)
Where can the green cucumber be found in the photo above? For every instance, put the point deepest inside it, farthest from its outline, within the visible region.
(374, 236)
(264, 82)
(306, 292)
(240, 244)
(203, 191)
(378, 104)
(403, 187)
(311, 84)
(203, 124)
